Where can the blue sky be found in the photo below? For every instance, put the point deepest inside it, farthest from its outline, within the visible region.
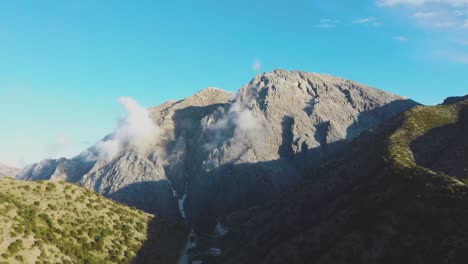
(64, 64)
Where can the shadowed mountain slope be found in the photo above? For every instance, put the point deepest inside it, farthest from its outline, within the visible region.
(396, 195)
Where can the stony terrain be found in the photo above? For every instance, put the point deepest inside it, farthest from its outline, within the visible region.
(396, 195)
(217, 152)
(56, 222)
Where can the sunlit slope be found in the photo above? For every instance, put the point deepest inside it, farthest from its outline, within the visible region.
(54, 222)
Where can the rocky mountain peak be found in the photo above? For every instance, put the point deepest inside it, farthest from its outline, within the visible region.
(208, 96)
(217, 151)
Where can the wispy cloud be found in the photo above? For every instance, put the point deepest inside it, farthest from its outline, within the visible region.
(460, 12)
(365, 20)
(424, 15)
(461, 58)
(327, 23)
(455, 3)
(136, 130)
(368, 21)
(458, 57)
(256, 65)
(435, 14)
(444, 21)
(444, 25)
(401, 38)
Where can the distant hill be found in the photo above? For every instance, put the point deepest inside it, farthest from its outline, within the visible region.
(454, 99)
(6, 170)
(397, 195)
(56, 222)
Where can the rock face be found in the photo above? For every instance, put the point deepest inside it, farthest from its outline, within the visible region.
(218, 152)
(6, 170)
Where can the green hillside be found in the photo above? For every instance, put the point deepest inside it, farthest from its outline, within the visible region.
(56, 222)
(397, 195)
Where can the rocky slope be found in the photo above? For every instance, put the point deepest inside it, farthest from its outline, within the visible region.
(6, 170)
(217, 152)
(396, 195)
(56, 222)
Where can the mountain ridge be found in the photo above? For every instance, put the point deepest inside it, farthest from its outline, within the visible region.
(7, 170)
(216, 152)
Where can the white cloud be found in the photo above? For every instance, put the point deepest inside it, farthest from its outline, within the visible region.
(136, 130)
(460, 12)
(62, 139)
(444, 25)
(443, 21)
(256, 65)
(424, 15)
(365, 20)
(327, 23)
(235, 130)
(401, 2)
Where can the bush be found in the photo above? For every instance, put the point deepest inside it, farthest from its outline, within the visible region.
(50, 186)
(15, 247)
(19, 229)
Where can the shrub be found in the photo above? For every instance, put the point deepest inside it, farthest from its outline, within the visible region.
(16, 246)
(50, 187)
(19, 229)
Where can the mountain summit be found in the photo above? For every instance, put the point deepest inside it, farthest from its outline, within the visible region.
(215, 151)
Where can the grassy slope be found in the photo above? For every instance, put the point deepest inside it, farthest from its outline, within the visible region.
(50, 222)
(373, 205)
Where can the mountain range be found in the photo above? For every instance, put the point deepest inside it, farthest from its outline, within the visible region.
(6, 170)
(296, 167)
(216, 152)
